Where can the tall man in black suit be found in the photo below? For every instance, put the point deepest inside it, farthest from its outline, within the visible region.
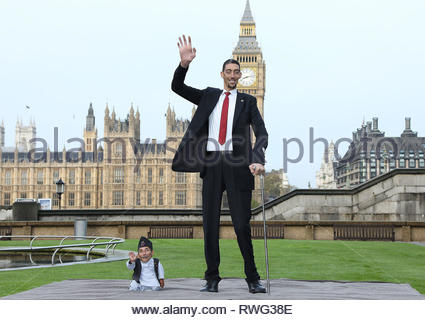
(218, 144)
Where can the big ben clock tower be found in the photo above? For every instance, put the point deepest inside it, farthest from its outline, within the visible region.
(248, 53)
(253, 81)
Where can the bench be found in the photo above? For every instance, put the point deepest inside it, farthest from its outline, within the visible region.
(4, 232)
(364, 232)
(170, 232)
(273, 232)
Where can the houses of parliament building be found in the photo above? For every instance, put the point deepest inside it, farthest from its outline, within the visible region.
(118, 171)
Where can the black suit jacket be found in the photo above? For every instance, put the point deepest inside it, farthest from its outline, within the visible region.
(191, 155)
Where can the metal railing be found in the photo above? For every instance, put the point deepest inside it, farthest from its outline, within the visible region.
(111, 243)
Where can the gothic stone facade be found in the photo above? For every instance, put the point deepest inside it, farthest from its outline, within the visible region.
(117, 171)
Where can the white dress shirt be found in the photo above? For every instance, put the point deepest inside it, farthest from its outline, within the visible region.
(214, 123)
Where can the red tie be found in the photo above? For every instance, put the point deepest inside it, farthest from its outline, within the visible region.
(223, 120)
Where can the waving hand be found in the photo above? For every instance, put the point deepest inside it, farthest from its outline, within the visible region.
(187, 53)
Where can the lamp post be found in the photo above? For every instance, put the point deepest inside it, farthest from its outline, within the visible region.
(60, 188)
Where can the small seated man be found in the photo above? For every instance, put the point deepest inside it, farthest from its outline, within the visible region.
(148, 273)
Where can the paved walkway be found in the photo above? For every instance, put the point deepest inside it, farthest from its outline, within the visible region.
(419, 243)
(232, 289)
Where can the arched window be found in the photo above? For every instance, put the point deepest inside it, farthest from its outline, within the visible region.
(24, 177)
(8, 177)
(87, 177)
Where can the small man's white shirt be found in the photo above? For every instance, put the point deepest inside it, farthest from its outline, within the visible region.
(148, 276)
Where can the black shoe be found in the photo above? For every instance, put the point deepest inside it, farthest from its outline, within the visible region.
(210, 286)
(256, 287)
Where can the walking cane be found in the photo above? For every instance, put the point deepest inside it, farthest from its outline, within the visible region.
(265, 235)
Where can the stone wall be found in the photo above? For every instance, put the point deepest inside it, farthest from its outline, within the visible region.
(296, 230)
(396, 196)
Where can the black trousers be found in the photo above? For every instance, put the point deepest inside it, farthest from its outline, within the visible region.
(218, 177)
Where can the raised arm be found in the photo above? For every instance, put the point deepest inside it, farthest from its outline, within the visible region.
(130, 263)
(187, 54)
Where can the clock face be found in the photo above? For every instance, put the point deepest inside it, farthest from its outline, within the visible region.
(248, 77)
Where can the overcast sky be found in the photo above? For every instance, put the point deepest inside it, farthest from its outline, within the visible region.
(329, 64)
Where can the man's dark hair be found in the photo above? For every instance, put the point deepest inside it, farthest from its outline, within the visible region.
(228, 61)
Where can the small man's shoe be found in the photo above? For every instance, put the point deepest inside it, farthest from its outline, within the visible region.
(256, 287)
(210, 286)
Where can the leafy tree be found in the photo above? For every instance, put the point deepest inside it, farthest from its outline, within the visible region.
(273, 187)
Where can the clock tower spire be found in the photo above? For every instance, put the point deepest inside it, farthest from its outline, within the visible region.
(248, 53)
(253, 81)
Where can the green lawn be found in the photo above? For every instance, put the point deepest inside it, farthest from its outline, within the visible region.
(308, 260)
